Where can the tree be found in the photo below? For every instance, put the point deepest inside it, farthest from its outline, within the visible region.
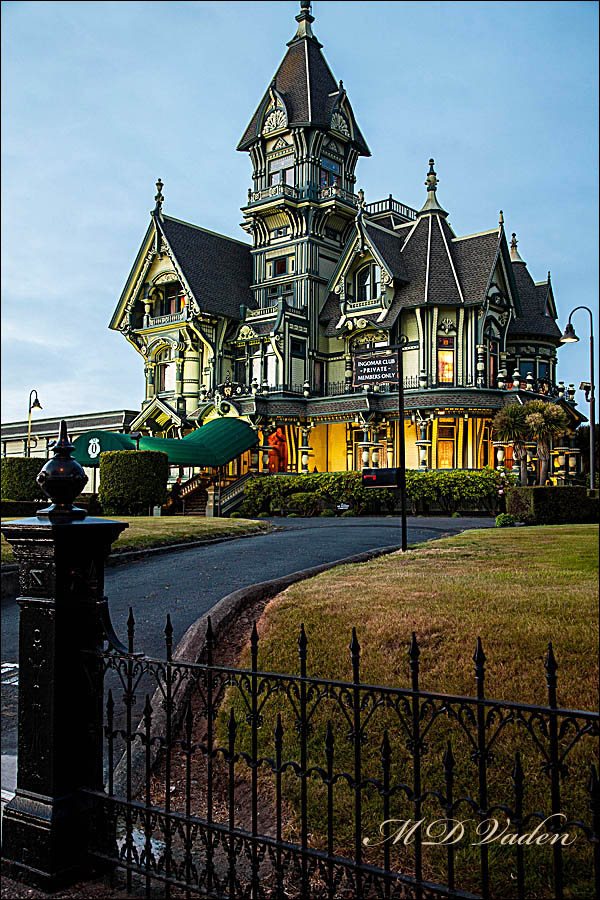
(545, 422)
(510, 426)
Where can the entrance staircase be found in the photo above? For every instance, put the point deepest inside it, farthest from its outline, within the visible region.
(194, 494)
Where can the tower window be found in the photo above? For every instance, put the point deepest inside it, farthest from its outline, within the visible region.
(281, 170)
(445, 357)
(330, 172)
(280, 266)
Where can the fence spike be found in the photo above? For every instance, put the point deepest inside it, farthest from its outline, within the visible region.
(550, 663)
(594, 785)
(355, 655)
(168, 627)
(110, 704)
(278, 731)
(329, 739)
(232, 726)
(448, 758)
(386, 750)
(147, 711)
(302, 640)
(479, 656)
(130, 629)
(210, 635)
(414, 651)
(517, 772)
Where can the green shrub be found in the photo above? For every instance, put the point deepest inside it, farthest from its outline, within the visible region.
(263, 515)
(348, 513)
(293, 515)
(132, 482)
(452, 490)
(505, 520)
(304, 503)
(327, 513)
(235, 515)
(552, 505)
(18, 478)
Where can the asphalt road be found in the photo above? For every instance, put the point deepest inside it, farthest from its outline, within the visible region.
(187, 583)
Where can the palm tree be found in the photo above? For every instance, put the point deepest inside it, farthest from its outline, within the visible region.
(545, 422)
(510, 427)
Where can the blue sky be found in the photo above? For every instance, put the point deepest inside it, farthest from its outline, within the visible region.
(100, 99)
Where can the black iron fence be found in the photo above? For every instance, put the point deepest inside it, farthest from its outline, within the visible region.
(232, 782)
(292, 786)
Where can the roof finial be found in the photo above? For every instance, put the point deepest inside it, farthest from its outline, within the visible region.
(501, 219)
(515, 256)
(159, 197)
(304, 20)
(431, 183)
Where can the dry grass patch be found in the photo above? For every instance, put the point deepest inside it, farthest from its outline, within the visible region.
(517, 589)
(145, 532)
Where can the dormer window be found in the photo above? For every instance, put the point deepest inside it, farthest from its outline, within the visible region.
(171, 301)
(165, 372)
(368, 283)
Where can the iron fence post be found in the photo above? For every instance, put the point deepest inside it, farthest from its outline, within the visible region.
(61, 555)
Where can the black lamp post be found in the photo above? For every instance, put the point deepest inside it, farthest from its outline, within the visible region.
(33, 404)
(569, 337)
(401, 469)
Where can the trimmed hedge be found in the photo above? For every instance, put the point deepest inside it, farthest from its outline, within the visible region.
(452, 490)
(132, 481)
(18, 478)
(552, 505)
(13, 508)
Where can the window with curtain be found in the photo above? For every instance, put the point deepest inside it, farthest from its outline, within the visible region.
(445, 360)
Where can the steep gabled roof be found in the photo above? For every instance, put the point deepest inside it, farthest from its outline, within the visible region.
(388, 245)
(305, 83)
(218, 269)
(534, 322)
(475, 257)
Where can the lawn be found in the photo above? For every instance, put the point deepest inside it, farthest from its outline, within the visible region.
(516, 589)
(145, 532)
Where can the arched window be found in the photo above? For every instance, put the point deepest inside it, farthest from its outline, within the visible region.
(368, 283)
(492, 348)
(165, 371)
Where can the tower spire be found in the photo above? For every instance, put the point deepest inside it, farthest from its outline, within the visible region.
(304, 20)
(431, 205)
(515, 256)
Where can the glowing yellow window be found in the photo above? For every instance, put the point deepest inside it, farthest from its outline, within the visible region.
(446, 366)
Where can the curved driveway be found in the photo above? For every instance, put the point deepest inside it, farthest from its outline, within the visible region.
(187, 583)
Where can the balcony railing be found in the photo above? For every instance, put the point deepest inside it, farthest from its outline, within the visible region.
(334, 192)
(389, 205)
(274, 192)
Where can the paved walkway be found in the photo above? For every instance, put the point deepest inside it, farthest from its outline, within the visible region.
(188, 583)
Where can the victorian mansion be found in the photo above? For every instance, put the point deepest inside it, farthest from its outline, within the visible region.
(267, 328)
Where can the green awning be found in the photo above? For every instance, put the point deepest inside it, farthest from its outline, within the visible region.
(222, 440)
(214, 444)
(90, 445)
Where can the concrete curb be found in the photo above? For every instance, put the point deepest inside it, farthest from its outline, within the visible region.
(191, 648)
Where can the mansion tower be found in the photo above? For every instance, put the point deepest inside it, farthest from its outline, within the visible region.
(267, 328)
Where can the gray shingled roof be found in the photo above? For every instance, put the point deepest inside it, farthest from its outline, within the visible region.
(473, 259)
(309, 92)
(388, 244)
(218, 269)
(533, 322)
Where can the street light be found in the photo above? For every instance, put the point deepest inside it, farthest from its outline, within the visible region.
(33, 404)
(569, 337)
